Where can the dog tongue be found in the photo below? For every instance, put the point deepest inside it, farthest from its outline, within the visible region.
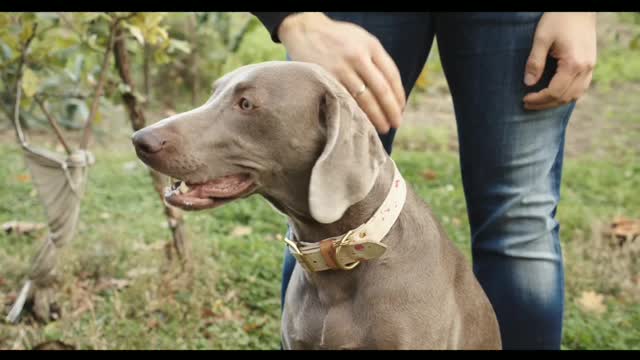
(223, 187)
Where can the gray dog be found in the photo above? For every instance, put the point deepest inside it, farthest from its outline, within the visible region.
(375, 270)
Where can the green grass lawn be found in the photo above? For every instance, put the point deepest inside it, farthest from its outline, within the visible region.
(117, 291)
(233, 299)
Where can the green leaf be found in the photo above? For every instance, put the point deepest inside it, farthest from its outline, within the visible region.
(180, 45)
(30, 82)
(27, 32)
(160, 57)
(7, 53)
(4, 20)
(88, 16)
(137, 33)
(46, 16)
(635, 43)
(156, 35)
(124, 88)
(97, 119)
(60, 39)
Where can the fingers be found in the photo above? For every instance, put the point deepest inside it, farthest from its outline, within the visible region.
(388, 67)
(567, 85)
(366, 100)
(537, 59)
(559, 84)
(379, 87)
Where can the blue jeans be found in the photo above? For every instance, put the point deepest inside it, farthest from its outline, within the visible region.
(511, 158)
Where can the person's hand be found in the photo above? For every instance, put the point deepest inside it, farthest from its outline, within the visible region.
(570, 38)
(355, 57)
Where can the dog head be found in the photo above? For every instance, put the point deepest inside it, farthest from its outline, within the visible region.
(286, 130)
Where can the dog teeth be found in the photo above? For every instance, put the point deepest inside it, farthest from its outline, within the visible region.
(183, 187)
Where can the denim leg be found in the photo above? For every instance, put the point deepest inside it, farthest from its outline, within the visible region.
(511, 163)
(407, 37)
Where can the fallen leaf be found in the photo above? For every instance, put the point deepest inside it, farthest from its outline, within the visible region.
(21, 227)
(133, 273)
(623, 229)
(118, 284)
(591, 301)
(207, 313)
(2, 282)
(24, 178)
(250, 327)
(152, 324)
(230, 296)
(429, 175)
(241, 231)
(626, 228)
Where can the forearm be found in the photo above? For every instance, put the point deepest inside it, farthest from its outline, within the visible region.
(272, 22)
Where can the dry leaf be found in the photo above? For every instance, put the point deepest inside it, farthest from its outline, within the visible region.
(207, 313)
(250, 327)
(118, 284)
(20, 227)
(152, 324)
(230, 296)
(241, 231)
(626, 228)
(430, 175)
(623, 230)
(133, 273)
(84, 306)
(592, 302)
(24, 178)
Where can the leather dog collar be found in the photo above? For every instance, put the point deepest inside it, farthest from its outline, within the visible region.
(362, 243)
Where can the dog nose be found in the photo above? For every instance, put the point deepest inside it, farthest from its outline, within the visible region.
(147, 142)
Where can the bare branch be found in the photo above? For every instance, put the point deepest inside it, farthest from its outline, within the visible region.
(54, 124)
(98, 88)
(18, 88)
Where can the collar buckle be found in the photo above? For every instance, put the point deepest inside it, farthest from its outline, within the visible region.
(338, 245)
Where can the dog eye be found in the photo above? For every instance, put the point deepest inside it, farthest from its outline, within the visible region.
(245, 104)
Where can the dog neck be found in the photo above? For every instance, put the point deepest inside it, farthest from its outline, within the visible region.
(306, 229)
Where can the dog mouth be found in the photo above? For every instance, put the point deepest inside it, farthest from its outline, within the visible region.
(209, 194)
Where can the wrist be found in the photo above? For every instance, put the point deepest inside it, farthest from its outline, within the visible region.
(300, 22)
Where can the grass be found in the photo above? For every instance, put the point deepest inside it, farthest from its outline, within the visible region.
(233, 300)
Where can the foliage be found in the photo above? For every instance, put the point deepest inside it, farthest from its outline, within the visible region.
(64, 59)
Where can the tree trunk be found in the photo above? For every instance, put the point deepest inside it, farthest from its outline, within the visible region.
(193, 60)
(136, 115)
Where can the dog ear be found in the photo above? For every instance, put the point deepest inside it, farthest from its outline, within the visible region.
(349, 164)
